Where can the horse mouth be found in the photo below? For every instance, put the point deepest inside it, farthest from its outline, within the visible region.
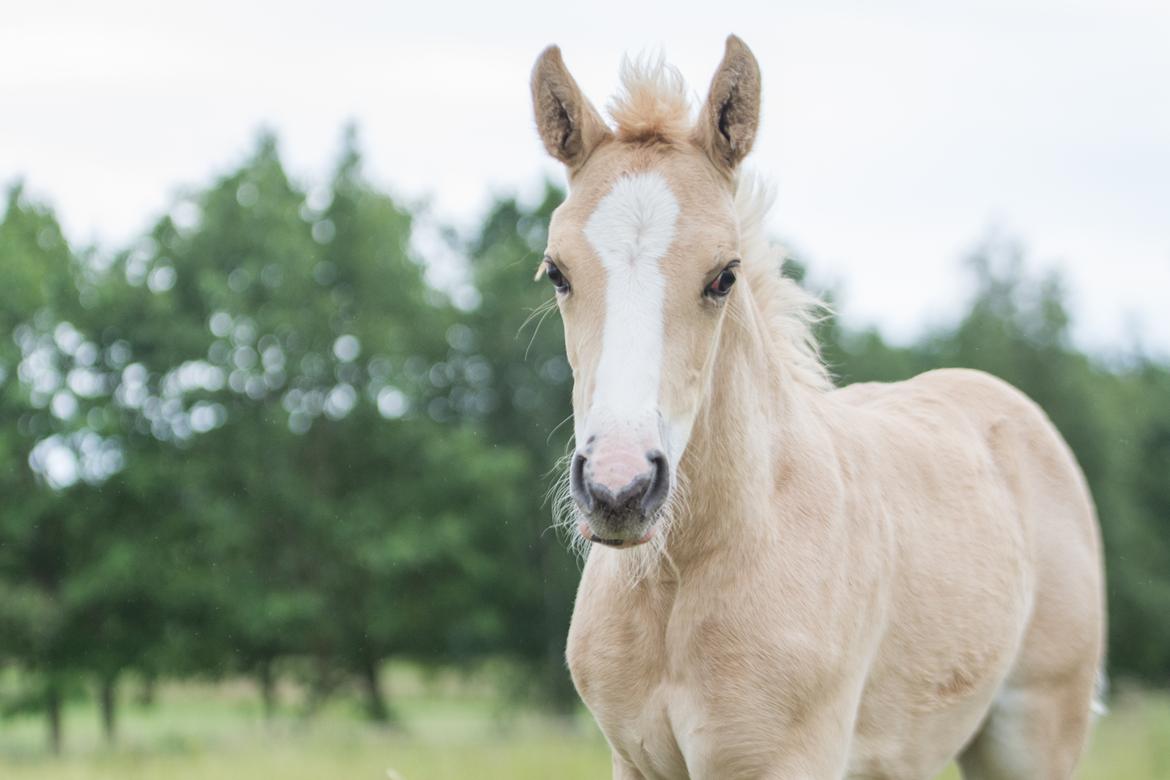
(618, 542)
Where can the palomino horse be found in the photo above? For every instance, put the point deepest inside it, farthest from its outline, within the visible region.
(788, 580)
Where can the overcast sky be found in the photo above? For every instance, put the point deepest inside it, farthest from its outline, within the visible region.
(897, 133)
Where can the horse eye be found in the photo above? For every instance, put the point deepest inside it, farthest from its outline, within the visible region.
(556, 277)
(721, 284)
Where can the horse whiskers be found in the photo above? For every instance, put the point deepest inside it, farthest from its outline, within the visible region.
(544, 307)
(556, 428)
(564, 509)
(635, 563)
(542, 311)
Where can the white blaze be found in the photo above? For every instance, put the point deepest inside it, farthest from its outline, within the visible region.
(631, 231)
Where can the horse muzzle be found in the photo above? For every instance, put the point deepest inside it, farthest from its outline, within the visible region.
(619, 490)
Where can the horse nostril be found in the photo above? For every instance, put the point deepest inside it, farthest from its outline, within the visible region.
(659, 487)
(577, 488)
(644, 494)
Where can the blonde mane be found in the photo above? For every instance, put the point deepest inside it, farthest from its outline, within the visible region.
(791, 312)
(652, 104)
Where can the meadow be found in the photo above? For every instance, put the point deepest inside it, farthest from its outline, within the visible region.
(450, 727)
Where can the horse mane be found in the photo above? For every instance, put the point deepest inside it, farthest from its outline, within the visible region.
(790, 311)
(653, 106)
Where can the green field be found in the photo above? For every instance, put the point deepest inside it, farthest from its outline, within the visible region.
(451, 730)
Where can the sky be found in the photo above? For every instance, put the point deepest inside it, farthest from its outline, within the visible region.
(898, 134)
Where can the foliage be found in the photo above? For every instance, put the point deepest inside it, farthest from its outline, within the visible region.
(258, 441)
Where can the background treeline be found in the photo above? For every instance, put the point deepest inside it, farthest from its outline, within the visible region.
(259, 441)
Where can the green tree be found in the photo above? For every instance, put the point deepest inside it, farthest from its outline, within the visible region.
(520, 386)
(289, 350)
(39, 411)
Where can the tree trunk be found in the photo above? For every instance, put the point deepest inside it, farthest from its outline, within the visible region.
(376, 708)
(146, 694)
(321, 685)
(267, 679)
(53, 713)
(108, 701)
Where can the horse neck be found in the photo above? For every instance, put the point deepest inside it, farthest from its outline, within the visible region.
(757, 424)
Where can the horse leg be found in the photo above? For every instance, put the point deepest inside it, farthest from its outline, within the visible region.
(1031, 732)
(623, 771)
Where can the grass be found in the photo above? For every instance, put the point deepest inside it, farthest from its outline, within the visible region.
(452, 730)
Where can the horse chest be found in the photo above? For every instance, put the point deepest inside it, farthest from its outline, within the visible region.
(621, 663)
(639, 708)
(652, 680)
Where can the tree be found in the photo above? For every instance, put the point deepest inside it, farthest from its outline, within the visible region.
(519, 389)
(299, 367)
(39, 411)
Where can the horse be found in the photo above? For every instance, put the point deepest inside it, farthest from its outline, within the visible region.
(786, 579)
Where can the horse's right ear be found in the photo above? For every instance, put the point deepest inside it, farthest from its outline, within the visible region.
(569, 125)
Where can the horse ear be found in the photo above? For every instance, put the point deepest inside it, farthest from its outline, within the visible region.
(569, 125)
(729, 119)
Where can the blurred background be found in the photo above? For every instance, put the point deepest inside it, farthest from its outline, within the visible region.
(278, 410)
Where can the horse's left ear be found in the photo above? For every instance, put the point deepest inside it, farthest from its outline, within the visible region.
(729, 119)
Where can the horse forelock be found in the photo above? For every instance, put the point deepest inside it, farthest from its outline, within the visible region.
(652, 104)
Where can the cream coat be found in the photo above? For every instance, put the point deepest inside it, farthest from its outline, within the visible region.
(864, 582)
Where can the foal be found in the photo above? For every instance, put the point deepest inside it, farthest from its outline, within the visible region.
(787, 580)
